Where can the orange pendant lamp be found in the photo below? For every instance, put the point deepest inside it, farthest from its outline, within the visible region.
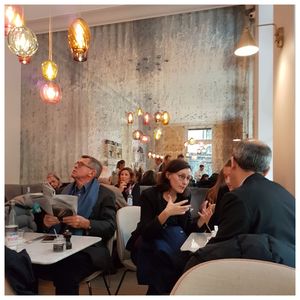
(79, 36)
(49, 67)
(165, 118)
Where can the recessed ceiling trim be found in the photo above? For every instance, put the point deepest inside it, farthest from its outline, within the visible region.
(113, 14)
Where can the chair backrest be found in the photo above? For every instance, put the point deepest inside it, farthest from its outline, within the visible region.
(127, 219)
(237, 277)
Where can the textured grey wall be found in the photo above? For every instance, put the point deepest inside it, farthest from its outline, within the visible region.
(202, 83)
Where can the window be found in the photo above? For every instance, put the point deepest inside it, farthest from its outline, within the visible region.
(199, 149)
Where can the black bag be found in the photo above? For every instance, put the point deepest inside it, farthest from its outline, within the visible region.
(19, 273)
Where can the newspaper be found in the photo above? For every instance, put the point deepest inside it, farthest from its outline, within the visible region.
(57, 205)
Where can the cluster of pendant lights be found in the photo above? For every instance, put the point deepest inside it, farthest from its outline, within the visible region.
(154, 156)
(159, 117)
(23, 42)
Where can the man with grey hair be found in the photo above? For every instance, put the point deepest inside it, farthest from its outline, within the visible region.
(96, 216)
(257, 218)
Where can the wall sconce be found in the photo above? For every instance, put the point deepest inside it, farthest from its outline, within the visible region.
(13, 17)
(22, 42)
(79, 36)
(246, 45)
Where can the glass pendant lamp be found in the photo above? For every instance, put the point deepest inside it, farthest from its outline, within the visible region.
(147, 118)
(50, 92)
(49, 67)
(137, 134)
(157, 117)
(13, 17)
(22, 42)
(157, 133)
(165, 118)
(79, 36)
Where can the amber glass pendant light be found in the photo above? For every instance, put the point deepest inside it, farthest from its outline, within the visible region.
(49, 67)
(79, 36)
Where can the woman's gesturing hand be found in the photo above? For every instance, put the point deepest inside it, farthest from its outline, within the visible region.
(178, 208)
(205, 213)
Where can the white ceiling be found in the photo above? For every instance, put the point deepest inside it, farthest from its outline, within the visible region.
(37, 16)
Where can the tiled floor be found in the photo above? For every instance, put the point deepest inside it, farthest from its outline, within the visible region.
(129, 286)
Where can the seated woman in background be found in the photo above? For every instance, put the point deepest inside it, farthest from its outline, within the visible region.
(149, 178)
(164, 225)
(215, 194)
(56, 183)
(127, 185)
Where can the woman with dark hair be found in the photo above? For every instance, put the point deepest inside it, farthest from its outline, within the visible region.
(149, 178)
(215, 193)
(127, 185)
(164, 225)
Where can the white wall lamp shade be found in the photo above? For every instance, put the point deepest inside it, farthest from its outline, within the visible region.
(246, 45)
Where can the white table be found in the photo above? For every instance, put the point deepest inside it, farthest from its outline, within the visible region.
(43, 254)
(195, 241)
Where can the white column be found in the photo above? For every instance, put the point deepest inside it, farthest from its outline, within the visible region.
(265, 77)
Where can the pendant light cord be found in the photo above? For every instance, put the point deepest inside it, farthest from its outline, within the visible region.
(50, 40)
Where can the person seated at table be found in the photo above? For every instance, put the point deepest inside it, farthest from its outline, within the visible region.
(115, 174)
(165, 222)
(204, 181)
(96, 216)
(257, 218)
(149, 178)
(126, 184)
(215, 193)
(56, 183)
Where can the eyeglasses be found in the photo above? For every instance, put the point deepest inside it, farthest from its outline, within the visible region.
(82, 164)
(183, 177)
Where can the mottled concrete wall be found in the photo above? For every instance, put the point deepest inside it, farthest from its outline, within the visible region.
(202, 83)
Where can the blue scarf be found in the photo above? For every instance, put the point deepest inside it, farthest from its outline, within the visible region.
(86, 201)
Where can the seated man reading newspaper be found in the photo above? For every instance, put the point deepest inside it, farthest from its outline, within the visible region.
(96, 216)
(59, 206)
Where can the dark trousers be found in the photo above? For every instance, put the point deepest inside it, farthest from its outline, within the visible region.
(67, 273)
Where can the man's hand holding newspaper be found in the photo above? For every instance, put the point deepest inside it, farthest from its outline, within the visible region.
(57, 205)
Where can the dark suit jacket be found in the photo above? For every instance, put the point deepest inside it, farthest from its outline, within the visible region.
(258, 206)
(103, 224)
(256, 220)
